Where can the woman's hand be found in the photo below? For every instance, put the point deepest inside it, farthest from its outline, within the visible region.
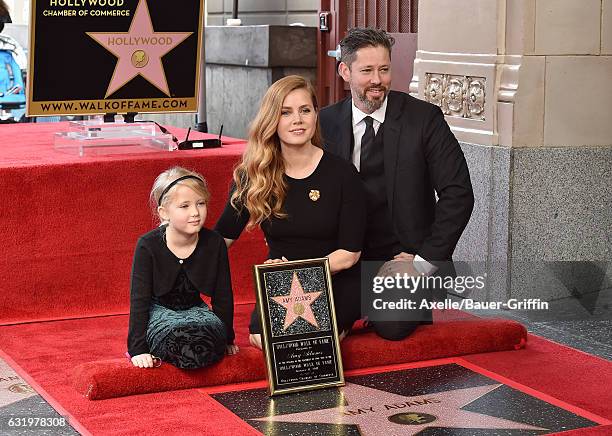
(283, 259)
(144, 360)
(231, 349)
(340, 260)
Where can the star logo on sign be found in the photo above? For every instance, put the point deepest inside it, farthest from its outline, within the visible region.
(139, 51)
(377, 412)
(298, 304)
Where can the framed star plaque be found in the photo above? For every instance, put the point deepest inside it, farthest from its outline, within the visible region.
(299, 333)
(103, 56)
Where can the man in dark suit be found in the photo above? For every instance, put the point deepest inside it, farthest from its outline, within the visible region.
(406, 154)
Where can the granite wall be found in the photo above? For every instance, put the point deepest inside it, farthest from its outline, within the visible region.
(542, 221)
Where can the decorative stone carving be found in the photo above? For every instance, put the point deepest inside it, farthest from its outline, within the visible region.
(457, 96)
(475, 98)
(435, 89)
(453, 96)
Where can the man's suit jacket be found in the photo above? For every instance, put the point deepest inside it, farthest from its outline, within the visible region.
(420, 155)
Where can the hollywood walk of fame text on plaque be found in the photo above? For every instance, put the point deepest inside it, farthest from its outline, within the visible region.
(299, 332)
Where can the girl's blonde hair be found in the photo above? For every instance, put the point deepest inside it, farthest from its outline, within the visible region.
(260, 185)
(170, 175)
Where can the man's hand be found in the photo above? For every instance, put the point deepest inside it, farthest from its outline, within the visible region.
(403, 256)
(421, 265)
(398, 266)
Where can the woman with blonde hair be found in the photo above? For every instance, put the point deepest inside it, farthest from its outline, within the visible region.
(308, 202)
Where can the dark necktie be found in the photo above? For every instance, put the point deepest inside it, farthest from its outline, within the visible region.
(367, 145)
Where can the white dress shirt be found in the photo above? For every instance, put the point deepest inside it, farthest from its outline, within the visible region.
(359, 127)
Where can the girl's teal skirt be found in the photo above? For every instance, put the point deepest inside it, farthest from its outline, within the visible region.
(188, 339)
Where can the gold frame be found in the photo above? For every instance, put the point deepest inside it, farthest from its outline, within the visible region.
(34, 108)
(259, 270)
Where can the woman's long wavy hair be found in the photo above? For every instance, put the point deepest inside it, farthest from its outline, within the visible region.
(260, 185)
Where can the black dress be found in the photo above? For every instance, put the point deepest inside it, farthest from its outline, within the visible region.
(315, 228)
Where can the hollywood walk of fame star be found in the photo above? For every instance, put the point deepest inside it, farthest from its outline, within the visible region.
(379, 412)
(139, 51)
(298, 304)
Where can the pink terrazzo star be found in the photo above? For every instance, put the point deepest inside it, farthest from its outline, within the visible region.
(139, 51)
(378, 412)
(298, 304)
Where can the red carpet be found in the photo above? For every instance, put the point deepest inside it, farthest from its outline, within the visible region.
(562, 372)
(118, 377)
(70, 224)
(69, 229)
(49, 352)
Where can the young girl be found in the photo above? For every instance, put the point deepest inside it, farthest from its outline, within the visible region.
(173, 264)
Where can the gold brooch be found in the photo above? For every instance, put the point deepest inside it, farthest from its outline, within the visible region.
(314, 194)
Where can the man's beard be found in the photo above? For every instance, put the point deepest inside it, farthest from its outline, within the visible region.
(372, 104)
